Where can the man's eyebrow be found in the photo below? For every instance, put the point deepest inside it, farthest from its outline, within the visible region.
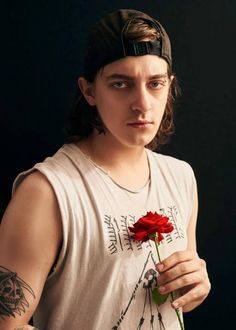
(128, 77)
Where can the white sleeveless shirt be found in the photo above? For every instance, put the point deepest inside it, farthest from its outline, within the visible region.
(103, 278)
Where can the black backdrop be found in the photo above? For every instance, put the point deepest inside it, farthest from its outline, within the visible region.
(40, 62)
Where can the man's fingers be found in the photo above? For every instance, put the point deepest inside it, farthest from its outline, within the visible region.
(197, 293)
(181, 269)
(176, 258)
(181, 282)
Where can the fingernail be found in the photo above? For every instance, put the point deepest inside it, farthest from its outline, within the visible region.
(161, 289)
(160, 267)
(175, 305)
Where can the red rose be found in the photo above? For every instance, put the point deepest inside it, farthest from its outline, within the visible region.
(150, 225)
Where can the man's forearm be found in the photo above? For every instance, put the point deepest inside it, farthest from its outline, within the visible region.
(25, 327)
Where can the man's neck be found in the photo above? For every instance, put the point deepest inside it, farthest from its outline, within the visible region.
(111, 153)
(128, 166)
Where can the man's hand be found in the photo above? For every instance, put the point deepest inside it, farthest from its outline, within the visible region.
(186, 272)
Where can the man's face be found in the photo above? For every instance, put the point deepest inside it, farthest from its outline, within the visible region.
(130, 95)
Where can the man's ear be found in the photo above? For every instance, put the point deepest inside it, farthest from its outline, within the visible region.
(87, 90)
(172, 77)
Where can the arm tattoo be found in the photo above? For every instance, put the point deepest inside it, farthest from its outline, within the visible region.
(12, 294)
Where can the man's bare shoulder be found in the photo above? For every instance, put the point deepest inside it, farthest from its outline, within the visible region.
(33, 200)
(32, 205)
(35, 183)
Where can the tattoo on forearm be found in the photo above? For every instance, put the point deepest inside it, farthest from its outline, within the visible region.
(12, 294)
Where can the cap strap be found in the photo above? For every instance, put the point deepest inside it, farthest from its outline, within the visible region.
(142, 48)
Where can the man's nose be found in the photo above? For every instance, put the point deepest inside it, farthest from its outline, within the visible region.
(141, 100)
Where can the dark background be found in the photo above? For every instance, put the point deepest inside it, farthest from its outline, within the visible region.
(41, 45)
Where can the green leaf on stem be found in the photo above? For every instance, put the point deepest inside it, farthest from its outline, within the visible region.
(158, 298)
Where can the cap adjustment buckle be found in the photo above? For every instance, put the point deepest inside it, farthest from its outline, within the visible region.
(142, 48)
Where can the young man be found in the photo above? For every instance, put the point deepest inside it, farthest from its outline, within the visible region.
(66, 253)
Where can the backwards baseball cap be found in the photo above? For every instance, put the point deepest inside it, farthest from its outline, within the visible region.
(106, 41)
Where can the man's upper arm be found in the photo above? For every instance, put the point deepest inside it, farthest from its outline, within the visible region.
(30, 238)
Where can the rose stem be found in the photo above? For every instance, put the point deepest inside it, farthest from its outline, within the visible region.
(172, 294)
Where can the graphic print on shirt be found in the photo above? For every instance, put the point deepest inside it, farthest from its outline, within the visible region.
(147, 281)
(119, 235)
(120, 241)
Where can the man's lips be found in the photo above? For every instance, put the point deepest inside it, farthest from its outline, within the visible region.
(140, 123)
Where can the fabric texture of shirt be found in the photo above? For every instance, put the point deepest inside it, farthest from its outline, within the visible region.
(103, 278)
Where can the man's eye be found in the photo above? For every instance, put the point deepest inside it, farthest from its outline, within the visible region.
(120, 84)
(157, 84)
